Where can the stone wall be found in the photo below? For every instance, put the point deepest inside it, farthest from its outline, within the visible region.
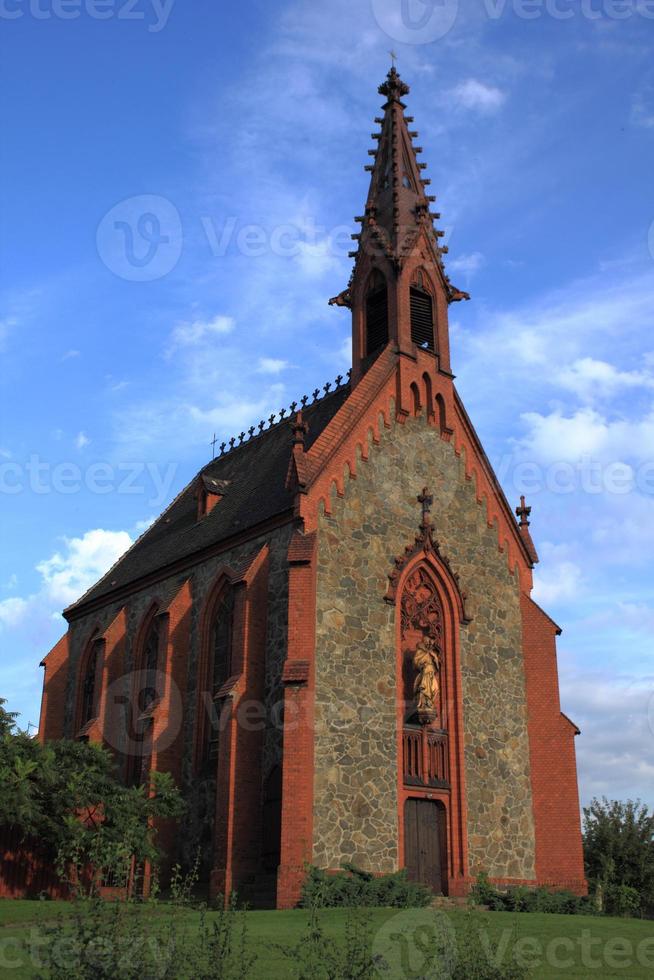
(356, 808)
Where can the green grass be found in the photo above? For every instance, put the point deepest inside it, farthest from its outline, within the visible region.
(556, 945)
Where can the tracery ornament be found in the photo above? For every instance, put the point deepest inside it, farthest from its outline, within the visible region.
(427, 545)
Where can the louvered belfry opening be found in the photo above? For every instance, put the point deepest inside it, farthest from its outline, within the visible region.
(376, 313)
(422, 318)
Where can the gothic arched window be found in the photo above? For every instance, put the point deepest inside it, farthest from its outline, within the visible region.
(218, 670)
(145, 694)
(376, 313)
(422, 314)
(150, 662)
(89, 691)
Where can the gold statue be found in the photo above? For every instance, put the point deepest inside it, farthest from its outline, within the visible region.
(426, 686)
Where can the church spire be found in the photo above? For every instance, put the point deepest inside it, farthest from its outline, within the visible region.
(398, 291)
(397, 205)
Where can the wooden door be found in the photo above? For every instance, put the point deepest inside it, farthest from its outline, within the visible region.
(425, 843)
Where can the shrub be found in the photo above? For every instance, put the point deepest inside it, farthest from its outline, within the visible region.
(354, 888)
(317, 957)
(133, 940)
(521, 898)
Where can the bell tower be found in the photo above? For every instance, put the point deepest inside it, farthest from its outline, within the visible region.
(398, 292)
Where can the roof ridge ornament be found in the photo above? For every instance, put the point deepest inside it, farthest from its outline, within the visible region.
(284, 415)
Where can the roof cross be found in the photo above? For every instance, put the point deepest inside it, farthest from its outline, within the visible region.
(393, 57)
(523, 513)
(213, 446)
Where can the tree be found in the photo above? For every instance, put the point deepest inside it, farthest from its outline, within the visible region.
(67, 796)
(7, 719)
(619, 854)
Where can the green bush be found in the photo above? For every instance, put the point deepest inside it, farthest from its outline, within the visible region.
(520, 898)
(317, 957)
(133, 940)
(354, 888)
(623, 900)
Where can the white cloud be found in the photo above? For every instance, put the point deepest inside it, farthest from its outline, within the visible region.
(317, 258)
(558, 578)
(586, 432)
(142, 526)
(7, 324)
(590, 378)
(65, 576)
(68, 573)
(467, 264)
(70, 354)
(189, 333)
(642, 107)
(81, 440)
(478, 96)
(271, 365)
(615, 713)
(12, 611)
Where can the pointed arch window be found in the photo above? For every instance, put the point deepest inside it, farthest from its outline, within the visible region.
(146, 694)
(422, 314)
(150, 664)
(218, 671)
(89, 692)
(376, 313)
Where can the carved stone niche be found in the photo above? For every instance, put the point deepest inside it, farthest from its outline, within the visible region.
(421, 620)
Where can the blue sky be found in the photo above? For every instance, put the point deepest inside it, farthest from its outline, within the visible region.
(240, 132)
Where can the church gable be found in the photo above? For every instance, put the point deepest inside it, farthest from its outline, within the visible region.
(357, 672)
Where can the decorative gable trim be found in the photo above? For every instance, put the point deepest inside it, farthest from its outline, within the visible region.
(426, 545)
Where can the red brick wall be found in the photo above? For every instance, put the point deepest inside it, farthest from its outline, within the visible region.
(53, 703)
(559, 854)
(299, 690)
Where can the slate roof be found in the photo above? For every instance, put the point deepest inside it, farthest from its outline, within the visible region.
(256, 475)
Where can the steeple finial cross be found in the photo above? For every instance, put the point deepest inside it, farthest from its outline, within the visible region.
(213, 446)
(523, 513)
(393, 58)
(426, 499)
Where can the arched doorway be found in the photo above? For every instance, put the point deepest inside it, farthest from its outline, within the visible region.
(425, 843)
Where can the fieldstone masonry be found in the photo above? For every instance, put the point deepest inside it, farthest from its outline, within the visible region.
(356, 807)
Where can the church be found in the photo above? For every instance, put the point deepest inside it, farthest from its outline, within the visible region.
(328, 638)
